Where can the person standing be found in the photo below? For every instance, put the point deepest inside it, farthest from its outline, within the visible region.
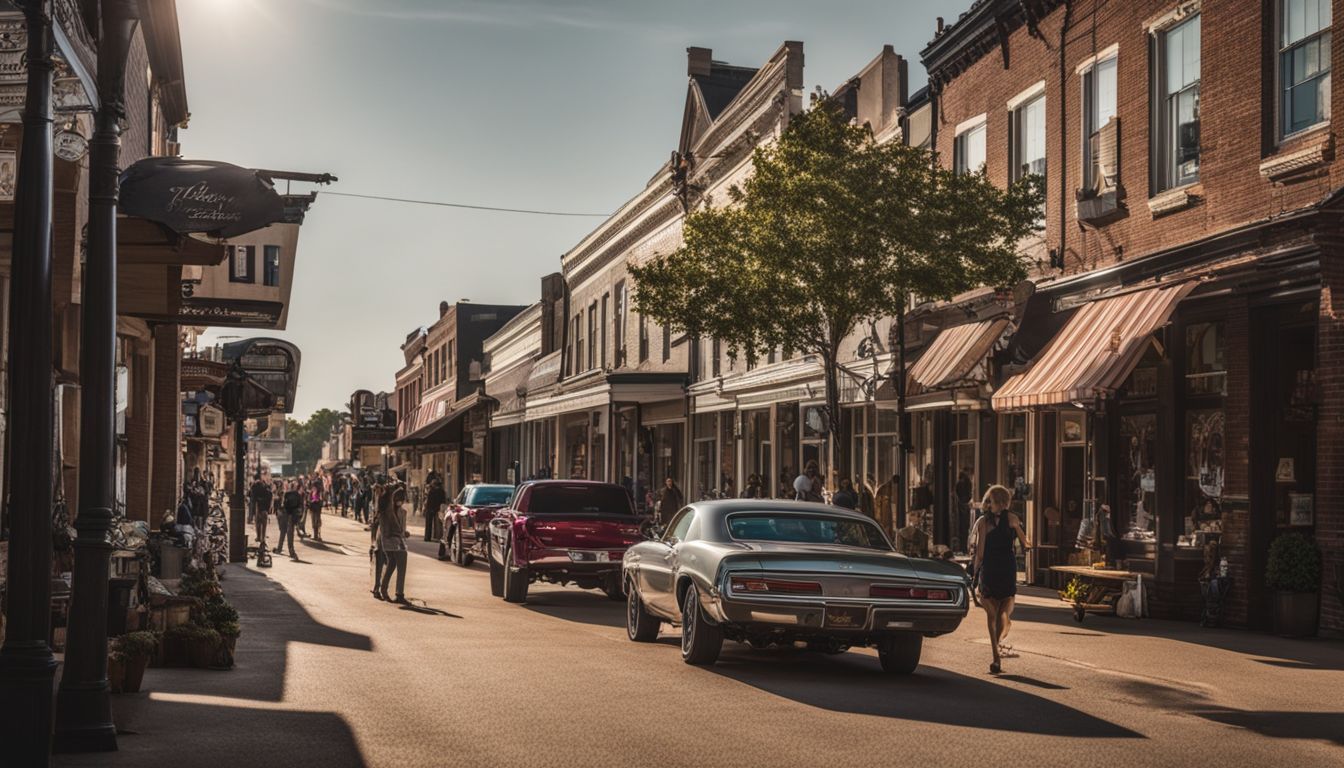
(293, 518)
(435, 500)
(261, 508)
(669, 501)
(392, 541)
(996, 566)
(807, 486)
(379, 494)
(301, 487)
(315, 507)
(754, 489)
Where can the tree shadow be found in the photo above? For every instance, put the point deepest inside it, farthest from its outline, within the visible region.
(271, 620)
(159, 731)
(854, 683)
(1305, 726)
(581, 606)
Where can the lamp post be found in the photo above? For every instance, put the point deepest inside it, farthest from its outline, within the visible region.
(232, 397)
(27, 665)
(84, 706)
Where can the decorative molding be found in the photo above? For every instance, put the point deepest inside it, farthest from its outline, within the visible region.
(1172, 16)
(1171, 201)
(1282, 167)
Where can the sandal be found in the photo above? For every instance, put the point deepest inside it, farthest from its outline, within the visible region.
(994, 668)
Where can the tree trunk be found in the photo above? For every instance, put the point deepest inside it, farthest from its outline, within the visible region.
(839, 432)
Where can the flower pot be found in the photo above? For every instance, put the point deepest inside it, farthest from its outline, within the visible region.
(1296, 613)
(224, 653)
(116, 674)
(173, 652)
(200, 652)
(135, 673)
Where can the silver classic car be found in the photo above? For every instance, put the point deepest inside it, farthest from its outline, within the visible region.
(781, 573)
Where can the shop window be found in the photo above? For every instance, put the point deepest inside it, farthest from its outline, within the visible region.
(618, 320)
(1204, 430)
(667, 343)
(1205, 368)
(576, 449)
(727, 455)
(602, 323)
(592, 336)
(270, 275)
(1012, 449)
(964, 474)
(757, 450)
(968, 151)
(1304, 64)
(705, 455)
(1137, 481)
(1176, 77)
(643, 337)
(786, 428)
(1141, 384)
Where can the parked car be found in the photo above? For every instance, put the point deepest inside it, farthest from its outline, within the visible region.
(781, 572)
(562, 532)
(465, 521)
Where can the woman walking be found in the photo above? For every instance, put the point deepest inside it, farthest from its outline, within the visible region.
(392, 541)
(996, 566)
(315, 507)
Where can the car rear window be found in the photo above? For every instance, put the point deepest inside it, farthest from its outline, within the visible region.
(806, 529)
(479, 497)
(580, 499)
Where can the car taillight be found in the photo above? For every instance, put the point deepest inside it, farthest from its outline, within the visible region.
(775, 586)
(909, 593)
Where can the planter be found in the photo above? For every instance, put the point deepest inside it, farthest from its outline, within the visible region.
(135, 674)
(1296, 614)
(116, 674)
(173, 652)
(224, 653)
(200, 652)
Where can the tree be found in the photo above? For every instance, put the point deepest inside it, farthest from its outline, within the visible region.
(830, 231)
(307, 436)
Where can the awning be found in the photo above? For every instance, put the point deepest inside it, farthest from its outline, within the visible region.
(430, 424)
(1095, 351)
(954, 353)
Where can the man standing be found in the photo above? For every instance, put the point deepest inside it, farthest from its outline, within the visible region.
(261, 508)
(807, 486)
(669, 500)
(434, 503)
(293, 517)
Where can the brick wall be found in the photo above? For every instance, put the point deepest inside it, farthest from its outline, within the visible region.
(1330, 433)
(1236, 110)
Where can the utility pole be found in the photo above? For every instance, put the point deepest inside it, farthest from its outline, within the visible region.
(27, 666)
(84, 704)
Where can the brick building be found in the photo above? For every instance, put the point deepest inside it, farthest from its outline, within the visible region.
(1175, 356)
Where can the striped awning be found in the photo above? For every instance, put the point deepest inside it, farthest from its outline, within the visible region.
(953, 354)
(1095, 351)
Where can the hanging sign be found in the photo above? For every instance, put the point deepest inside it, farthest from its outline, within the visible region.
(210, 421)
(70, 146)
(199, 196)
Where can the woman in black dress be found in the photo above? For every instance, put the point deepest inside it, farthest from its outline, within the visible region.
(996, 564)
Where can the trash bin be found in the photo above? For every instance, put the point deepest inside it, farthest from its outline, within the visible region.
(118, 604)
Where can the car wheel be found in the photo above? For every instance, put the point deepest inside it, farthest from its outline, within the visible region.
(460, 555)
(443, 551)
(640, 625)
(899, 654)
(700, 640)
(496, 574)
(515, 580)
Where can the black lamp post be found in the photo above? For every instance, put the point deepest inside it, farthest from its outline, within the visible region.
(84, 706)
(232, 397)
(27, 666)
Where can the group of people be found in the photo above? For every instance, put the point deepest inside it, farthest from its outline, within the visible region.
(293, 502)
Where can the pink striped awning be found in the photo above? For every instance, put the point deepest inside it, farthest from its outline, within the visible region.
(953, 354)
(1096, 350)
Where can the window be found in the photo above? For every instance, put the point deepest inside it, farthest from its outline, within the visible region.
(1098, 110)
(1176, 135)
(578, 344)
(1304, 63)
(240, 263)
(968, 154)
(592, 336)
(643, 337)
(715, 355)
(618, 329)
(667, 344)
(270, 274)
(602, 323)
(1205, 367)
(448, 361)
(1027, 122)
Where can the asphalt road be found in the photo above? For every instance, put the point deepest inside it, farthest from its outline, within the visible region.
(327, 676)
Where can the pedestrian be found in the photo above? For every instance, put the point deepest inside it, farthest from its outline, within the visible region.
(344, 492)
(261, 508)
(315, 507)
(669, 500)
(301, 485)
(884, 502)
(435, 500)
(996, 566)
(845, 496)
(754, 489)
(912, 541)
(379, 495)
(392, 541)
(293, 518)
(867, 501)
(807, 486)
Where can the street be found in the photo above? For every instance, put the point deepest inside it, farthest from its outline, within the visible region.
(327, 676)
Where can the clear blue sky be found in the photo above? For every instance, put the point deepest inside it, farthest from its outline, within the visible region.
(555, 104)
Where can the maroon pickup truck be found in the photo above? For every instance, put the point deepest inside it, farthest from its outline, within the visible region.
(562, 532)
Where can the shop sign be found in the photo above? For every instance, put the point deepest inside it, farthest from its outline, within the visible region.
(210, 421)
(203, 374)
(231, 312)
(70, 146)
(199, 196)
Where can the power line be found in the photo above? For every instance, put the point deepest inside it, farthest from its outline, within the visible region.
(464, 205)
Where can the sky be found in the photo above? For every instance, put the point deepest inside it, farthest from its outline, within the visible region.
(563, 105)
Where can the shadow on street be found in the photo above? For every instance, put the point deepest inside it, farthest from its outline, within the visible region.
(583, 606)
(854, 683)
(1308, 726)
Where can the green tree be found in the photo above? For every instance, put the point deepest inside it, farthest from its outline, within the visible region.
(830, 231)
(307, 437)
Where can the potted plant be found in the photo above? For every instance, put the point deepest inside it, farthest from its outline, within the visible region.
(1075, 593)
(129, 655)
(1294, 573)
(193, 644)
(223, 618)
